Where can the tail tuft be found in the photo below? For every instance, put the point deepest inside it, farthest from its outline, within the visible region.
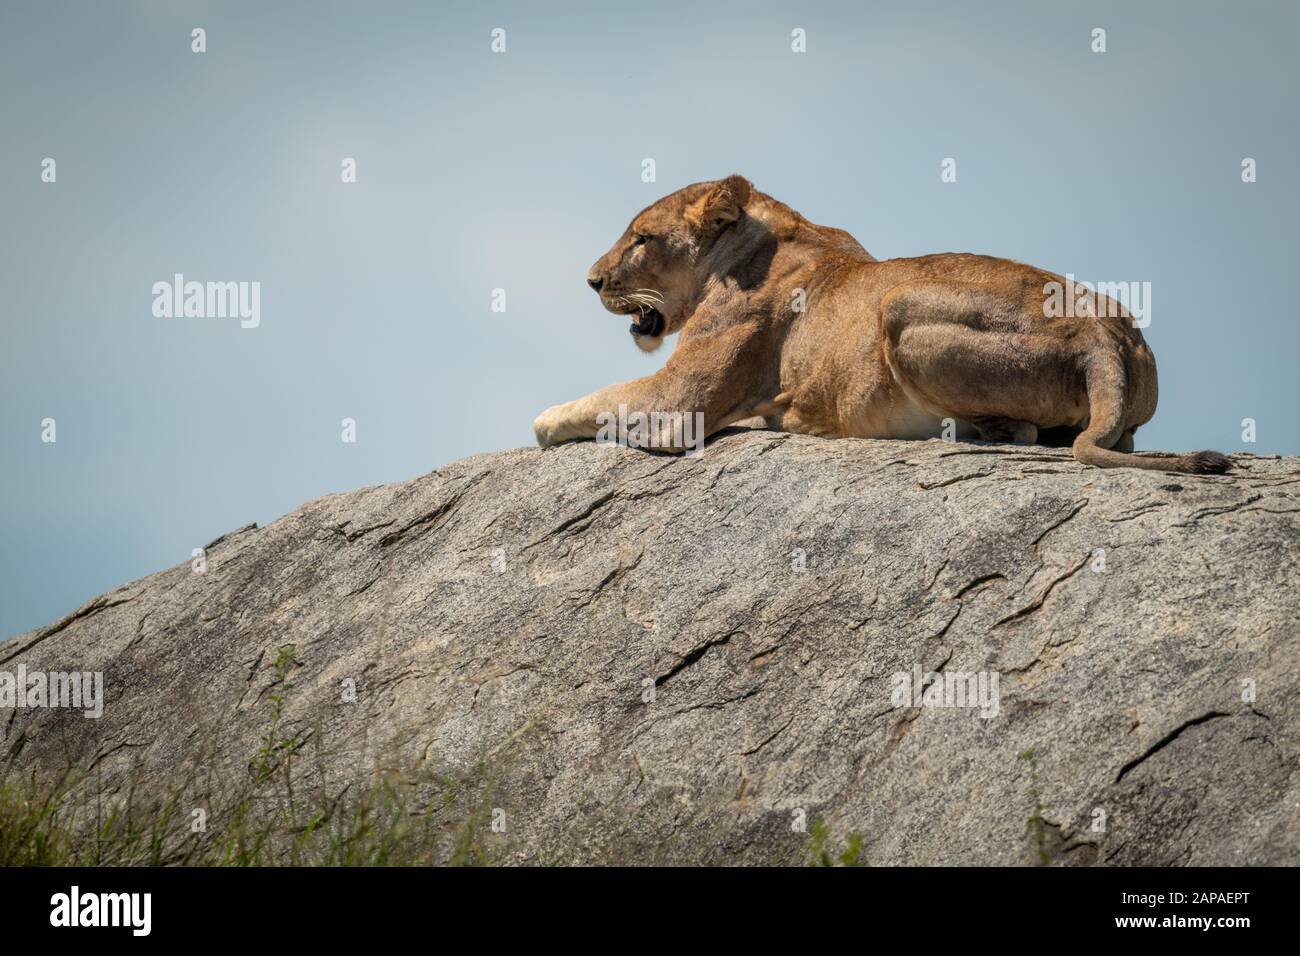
(1207, 463)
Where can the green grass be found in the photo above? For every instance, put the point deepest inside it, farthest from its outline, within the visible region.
(1036, 825)
(275, 817)
(819, 840)
(377, 828)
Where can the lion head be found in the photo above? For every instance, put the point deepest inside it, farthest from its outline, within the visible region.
(655, 272)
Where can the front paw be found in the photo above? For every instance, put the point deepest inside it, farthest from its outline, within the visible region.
(548, 427)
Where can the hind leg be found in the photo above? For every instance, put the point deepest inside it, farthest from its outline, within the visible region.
(979, 354)
(1125, 443)
(1006, 430)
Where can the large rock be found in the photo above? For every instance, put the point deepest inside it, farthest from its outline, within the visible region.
(655, 659)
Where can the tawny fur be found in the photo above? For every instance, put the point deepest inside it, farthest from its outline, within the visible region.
(879, 349)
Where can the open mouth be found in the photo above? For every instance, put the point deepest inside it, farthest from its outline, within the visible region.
(649, 323)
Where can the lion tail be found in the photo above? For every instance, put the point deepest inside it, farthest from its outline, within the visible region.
(1106, 425)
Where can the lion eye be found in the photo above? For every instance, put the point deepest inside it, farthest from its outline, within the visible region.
(640, 240)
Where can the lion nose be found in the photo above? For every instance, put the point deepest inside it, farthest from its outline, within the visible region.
(595, 283)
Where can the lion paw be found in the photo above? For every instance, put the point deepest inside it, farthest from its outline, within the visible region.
(548, 427)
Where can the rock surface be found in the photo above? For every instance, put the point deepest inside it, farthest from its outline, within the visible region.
(658, 659)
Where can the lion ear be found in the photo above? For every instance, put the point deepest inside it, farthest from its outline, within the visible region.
(722, 204)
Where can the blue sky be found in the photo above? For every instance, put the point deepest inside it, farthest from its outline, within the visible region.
(479, 171)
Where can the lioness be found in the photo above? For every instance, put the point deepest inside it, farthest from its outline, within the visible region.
(797, 323)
